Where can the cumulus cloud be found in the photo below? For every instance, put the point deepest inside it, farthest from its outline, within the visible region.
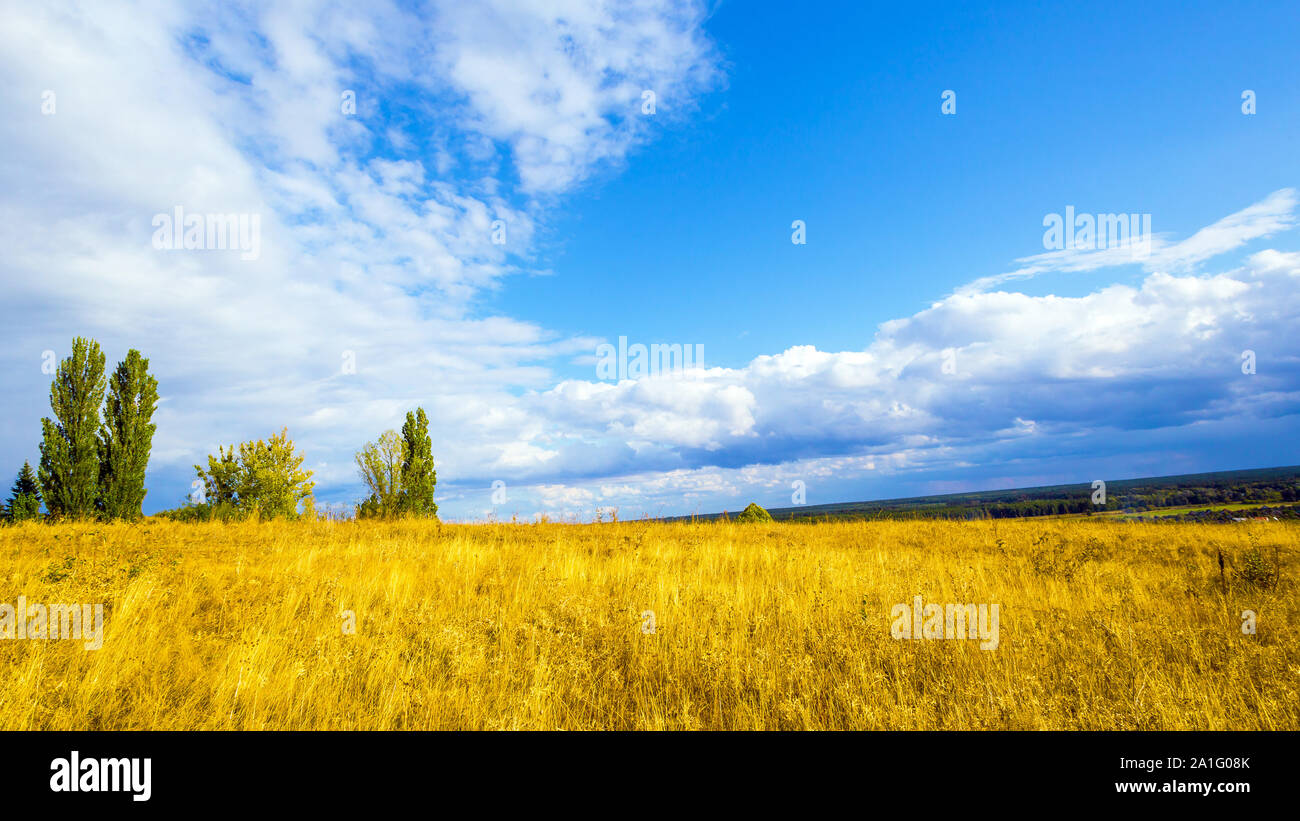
(975, 377)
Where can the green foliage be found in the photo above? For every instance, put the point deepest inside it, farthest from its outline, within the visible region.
(221, 482)
(126, 438)
(1254, 568)
(418, 475)
(25, 499)
(754, 513)
(398, 471)
(380, 464)
(266, 479)
(69, 469)
(57, 571)
(202, 512)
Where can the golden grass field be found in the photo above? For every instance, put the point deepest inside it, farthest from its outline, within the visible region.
(1103, 625)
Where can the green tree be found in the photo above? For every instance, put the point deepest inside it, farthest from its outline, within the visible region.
(69, 470)
(418, 475)
(221, 480)
(265, 479)
(25, 500)
(126, 438)
(380, 465)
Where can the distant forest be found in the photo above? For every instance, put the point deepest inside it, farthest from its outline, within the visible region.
(1263, 486)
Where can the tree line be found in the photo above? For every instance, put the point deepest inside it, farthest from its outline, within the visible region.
(265, 479)
(95, 451)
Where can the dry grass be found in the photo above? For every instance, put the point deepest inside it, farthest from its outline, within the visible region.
(1103, 625)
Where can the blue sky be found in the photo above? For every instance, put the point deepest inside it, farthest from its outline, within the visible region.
(824, 362)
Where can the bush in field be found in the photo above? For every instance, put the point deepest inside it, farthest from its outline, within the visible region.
(754, 513)
(1256, 570)
(265, 479)
(202, 512)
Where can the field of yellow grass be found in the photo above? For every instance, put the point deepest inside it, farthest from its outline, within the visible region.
(1103, 625)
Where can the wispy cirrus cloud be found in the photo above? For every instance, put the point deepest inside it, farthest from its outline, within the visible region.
(1157, 252)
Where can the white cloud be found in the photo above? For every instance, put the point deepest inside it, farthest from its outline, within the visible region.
(1165, 354)
(561, 81)
(371, 248)
(1274, 213)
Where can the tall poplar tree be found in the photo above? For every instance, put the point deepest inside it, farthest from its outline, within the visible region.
(126, 438)
(69, 470)
(418, 475)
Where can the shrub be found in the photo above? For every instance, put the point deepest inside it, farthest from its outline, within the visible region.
(1256, 570)
(754, 513)
(266, 478)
